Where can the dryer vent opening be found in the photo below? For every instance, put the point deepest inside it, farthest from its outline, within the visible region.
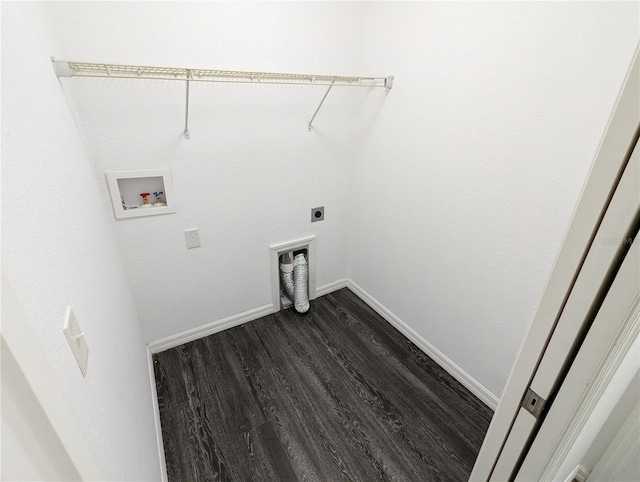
(293, 274)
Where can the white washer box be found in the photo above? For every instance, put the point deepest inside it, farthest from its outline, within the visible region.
(126, 186)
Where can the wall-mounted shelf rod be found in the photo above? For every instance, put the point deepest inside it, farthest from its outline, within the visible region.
(114, 71)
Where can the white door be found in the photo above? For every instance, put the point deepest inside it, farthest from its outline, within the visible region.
(609, 323)
(593, 426)
(592, 253)
(612, 262)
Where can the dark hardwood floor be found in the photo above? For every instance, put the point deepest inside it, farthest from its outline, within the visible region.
(338, 394)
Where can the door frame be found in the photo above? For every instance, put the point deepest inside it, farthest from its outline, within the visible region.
(30, 368)
(606, 346)
(612, 154)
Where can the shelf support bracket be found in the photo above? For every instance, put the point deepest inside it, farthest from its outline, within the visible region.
(60, 67)
(321, 102)
(388, 82)
(186, 111)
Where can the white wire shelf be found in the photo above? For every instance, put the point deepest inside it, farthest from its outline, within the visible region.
(84, 69)
(116, 71)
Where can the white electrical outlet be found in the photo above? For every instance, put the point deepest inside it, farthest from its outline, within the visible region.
(193, 238)
(76, 340)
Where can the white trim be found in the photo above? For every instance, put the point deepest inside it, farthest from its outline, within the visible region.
(601, 341)
(35, 370)
(308, 243)
(610, 155)
(454, 370)
(579, 474)
(209, 329)
(432, 352)
(593, 353)
(622, 451)
(598, 385)
(156, 415)
(331, 287)
(235, 320)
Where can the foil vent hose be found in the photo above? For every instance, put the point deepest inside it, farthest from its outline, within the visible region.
(300, 284)
(294, 273)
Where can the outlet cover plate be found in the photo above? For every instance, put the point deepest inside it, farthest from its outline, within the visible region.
(76, 340)
(317, 214)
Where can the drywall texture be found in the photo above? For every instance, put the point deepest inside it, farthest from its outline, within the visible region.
(58, 249)
(250, 173)
(475, 161)
(446, 198)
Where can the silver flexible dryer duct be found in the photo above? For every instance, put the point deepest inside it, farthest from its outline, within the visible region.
(286, 273)
(300, 284)
(294, 273)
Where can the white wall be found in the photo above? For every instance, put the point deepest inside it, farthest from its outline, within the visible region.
(250, 173)
(474, 161)
(446, 198)
(58, 249)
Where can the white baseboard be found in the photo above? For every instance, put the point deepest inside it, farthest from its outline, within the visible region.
(209, 329)
(193, 334)
(454, 370)
(156, 416)
(220, 325)
(432, 352)
(331, 287)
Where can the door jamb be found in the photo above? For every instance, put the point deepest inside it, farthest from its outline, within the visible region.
(620, 135)
(22, 343)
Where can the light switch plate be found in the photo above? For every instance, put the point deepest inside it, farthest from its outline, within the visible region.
(76, 340)
(192, 236)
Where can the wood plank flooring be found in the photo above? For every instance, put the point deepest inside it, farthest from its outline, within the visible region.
(336, 395)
